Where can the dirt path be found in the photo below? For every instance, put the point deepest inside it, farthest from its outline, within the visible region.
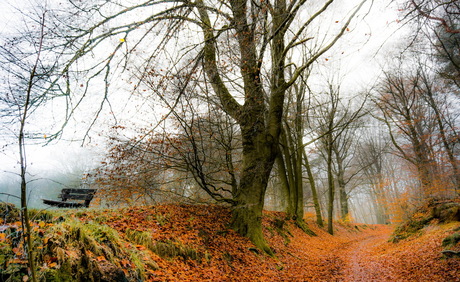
(359, 264)
(355, 261)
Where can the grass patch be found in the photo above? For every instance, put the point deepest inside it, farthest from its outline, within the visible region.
(9, 213)
(71, 250)
(167, 249)
(451, 240)
(410, 228)
(85, 251)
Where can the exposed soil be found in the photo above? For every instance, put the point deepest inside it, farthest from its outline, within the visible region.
(371, 257)
(360, 265)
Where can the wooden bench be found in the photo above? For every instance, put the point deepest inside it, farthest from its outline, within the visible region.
(83, 195)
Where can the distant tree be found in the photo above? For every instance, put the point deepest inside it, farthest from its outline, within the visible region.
(437, 23)
(335, 122)
(442, 103)
(371, 156)
(346, 168)
(419, 128)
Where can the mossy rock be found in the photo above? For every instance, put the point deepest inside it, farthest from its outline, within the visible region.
(447, 212)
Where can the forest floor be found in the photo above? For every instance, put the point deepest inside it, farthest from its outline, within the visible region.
(193, 243)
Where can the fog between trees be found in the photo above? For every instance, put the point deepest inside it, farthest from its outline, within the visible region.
(244, 103)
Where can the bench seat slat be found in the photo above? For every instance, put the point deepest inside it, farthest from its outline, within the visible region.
(75, 197)
(63, 204)
(77, 191)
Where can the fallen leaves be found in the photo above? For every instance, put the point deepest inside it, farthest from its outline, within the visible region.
(202, 248)
(222, 255)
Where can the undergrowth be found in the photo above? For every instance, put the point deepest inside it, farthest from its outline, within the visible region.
(431, 212)
(67, 249)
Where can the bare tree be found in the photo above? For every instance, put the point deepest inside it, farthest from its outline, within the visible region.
(346, 167)
(437, 23)
(418, 128)
(238, 44)
(371, 157)
(251, 32)
(335, 122)
(198, 162)
(291, 158)
(27, 68)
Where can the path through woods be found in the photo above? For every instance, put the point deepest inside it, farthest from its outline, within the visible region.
(350, 255)
(371, 257)
(193, 243)
(354, 253)
(359, 264)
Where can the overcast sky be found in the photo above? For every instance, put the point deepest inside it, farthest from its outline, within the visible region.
(355, 56)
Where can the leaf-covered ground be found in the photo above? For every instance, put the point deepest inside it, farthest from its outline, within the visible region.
(193, 243)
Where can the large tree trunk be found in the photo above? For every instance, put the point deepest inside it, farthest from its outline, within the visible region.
(259, 135)
(258, 159)
(259, 118)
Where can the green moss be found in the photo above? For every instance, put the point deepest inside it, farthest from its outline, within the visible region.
(166, 249)
(79, 249)
(410, 228)
(446, 212)
(162, 219)
(302, 225)
(58, 275)
(451, 240)
(279, 225)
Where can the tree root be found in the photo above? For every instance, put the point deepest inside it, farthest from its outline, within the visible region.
(302, 225)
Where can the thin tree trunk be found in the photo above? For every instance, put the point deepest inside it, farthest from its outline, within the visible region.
(298, 154)
(343, 197)
(344, 210)
(311, 180)
(23, 161)
(289, 162)
(331, 189)
(284, 183)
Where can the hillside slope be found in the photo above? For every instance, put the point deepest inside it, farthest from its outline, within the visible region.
(192, 243)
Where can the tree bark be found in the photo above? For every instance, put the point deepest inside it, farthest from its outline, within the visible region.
(311, 180)
(259, 136)
(284, 184)
(258, 159)
(343, 197)
(331, 187)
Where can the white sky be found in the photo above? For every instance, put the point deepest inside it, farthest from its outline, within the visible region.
(359, 62)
